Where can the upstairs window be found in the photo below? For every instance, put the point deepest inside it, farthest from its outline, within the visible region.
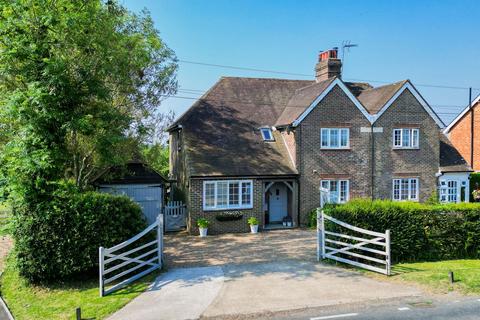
(406, 138)
(335, 138)
(405, 189)
(267, 134)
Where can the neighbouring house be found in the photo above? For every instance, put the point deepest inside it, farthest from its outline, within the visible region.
(137, 181)
(464, 133)
(275, 148)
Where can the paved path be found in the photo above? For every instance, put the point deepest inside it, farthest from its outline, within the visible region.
(246, 289)
(177, 294)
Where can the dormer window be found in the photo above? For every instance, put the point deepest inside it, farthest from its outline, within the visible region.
(267, 134)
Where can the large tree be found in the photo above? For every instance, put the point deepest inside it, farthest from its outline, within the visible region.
(79, 83)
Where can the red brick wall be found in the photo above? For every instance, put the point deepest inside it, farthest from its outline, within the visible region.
(460, 136)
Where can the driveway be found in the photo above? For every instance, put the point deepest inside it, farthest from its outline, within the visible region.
(183, 250)
(243, 275)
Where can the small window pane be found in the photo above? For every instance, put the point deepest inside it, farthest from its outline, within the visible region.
(397, 137)
(334, 138)
(413, 189)
(222, 194)
(233, 193)
(406, 138)
(344, 138)
(396, 189)
(415, 138)
(246, 193)
(210, 195)
(267, 134)
(324, 137)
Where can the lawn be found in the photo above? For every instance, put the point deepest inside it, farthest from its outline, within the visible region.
(60, 301)
(435, 275)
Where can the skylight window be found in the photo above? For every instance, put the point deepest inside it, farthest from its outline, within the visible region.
(267, 134)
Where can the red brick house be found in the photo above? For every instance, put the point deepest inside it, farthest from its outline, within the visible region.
(460, 132)
(275, 149)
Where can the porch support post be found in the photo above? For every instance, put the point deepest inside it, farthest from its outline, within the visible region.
(294, 204)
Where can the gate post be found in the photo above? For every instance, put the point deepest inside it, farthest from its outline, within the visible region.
(100, 269)
(387, 251)
(160, 239)
(320, 235)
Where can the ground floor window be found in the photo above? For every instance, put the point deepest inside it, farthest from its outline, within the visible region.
(405, 189)
(227, 194)
(335, 191)
(452, 191)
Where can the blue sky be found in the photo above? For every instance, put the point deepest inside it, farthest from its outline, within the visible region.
(428, 42)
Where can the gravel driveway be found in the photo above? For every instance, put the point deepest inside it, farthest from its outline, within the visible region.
(184, 250)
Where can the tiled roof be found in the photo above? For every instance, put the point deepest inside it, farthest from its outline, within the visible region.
(221, 130)
(450, 158)
(375, 98)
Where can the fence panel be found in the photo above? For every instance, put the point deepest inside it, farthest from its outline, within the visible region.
(342, 247)
(151, 258)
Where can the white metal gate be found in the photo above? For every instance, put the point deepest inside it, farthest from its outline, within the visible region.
(175, 215)
(329, 245)
(151, 258)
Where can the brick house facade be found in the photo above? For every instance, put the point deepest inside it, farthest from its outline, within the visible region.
(277, 149)
(460, 133)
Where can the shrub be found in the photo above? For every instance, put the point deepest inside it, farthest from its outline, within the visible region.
(61, 238)
(252, 221)
(203, 223)
(418, 231)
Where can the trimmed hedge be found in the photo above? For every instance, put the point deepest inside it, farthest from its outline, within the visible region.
(61, 237)
(419, 232)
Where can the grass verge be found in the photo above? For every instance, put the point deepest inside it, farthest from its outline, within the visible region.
(434, 275)
(28, 302)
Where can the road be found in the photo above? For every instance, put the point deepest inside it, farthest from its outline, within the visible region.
(465, 309)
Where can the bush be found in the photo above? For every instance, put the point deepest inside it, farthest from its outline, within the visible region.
(61, 237)
(418, 231)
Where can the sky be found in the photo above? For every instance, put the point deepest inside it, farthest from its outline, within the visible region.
(429, 42)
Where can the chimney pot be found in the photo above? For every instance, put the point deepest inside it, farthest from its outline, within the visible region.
(328, 65)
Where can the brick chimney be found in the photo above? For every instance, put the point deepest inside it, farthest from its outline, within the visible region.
(328, 65)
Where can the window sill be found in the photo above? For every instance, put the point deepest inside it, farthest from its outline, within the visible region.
(405, 148)
(227, 209)
(335, 149)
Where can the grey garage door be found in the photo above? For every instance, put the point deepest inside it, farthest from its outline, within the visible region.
(148, 196)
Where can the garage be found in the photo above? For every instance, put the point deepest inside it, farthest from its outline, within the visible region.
(139, 182)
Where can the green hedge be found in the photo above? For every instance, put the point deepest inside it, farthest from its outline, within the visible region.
(419, 232)
(60, 238)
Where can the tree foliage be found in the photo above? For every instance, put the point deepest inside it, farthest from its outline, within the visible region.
(79, 85)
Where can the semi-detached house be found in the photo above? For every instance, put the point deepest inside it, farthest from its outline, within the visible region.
(276, 149)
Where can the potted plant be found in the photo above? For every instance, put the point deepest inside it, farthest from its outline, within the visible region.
(284, 221)
(202, 224)
(289, 222)
(253, 222)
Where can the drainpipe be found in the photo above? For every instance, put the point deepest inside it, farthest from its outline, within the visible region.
(471, 125)
(372, 182)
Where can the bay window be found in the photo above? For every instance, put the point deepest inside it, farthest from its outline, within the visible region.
(227, 194)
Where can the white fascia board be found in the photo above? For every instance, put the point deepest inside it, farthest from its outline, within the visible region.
(408, 86)
(336, 82)
(460, 116)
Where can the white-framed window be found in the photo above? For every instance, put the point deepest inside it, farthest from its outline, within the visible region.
(337, 191)
(405, 138)
(267, 134)
(335, 138)
(227, 194)
(449, 191)
(405, 189)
